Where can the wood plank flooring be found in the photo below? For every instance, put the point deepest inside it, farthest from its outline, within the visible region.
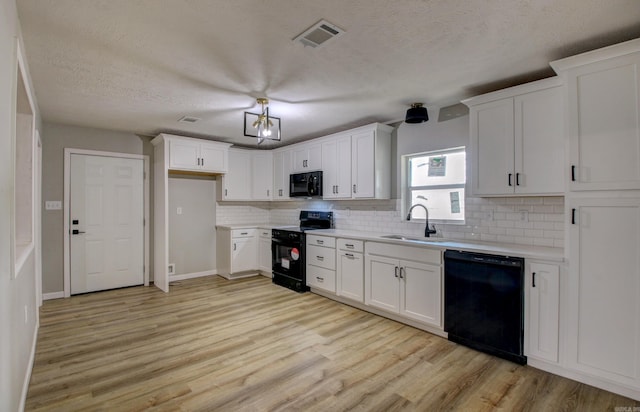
(247, 345)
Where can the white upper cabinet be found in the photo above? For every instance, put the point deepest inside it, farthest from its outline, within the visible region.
(603, 107)
(336, 167)
(307, 157)
(261, 175)
(236, 184)
(197, 154)
(281, 172)
(371, 162)
(517, 144)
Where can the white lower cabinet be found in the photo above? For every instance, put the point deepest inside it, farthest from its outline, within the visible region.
(405, 280)
(321, 263)
(264, 252)
(350, 269)
(237, 252)
(543, 297)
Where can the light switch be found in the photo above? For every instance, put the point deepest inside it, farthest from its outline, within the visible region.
(179, 211)
(53, 205)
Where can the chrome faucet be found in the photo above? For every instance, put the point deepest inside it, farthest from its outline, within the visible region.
(427, 232)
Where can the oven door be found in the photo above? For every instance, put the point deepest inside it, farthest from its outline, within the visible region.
(287, 259)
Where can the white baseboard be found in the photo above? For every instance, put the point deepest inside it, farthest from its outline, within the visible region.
(192, 275)
(27, 375)
(53, 295)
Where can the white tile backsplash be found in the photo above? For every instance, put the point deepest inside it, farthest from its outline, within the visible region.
(488, 219)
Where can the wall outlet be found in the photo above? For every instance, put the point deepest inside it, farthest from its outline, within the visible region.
(53, 205)
(524, 216)
(171, 270)
(487, 215)
(179, 210)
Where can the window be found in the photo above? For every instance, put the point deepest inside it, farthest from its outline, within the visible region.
(436, 180)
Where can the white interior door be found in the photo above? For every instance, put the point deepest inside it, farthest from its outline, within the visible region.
(106, 223)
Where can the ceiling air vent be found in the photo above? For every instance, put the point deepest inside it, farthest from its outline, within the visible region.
(189, 119)
(319, 33)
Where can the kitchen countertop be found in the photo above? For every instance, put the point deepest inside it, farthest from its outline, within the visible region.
(524, 251)
(506, 249)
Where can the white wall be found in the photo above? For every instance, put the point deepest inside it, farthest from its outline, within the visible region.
(17, 333)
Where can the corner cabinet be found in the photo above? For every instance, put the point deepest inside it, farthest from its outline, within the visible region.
(517, 140)
(603, 106)
(181, 154)
(405, 280)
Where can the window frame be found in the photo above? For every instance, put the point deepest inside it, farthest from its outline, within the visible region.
(407, 189)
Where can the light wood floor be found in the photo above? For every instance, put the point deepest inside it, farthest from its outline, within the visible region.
(213, 344)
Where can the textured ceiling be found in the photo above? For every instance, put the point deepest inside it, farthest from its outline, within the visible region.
(140, 65)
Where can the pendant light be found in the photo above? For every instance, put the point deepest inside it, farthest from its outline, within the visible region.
(417, 114)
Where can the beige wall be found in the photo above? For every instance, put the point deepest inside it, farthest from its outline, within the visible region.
(55, 138)
(192, 234)
(18, 304)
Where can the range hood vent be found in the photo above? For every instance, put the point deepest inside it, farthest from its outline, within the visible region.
(319, 34)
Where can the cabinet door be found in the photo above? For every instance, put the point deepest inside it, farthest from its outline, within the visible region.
(382, 285)
(261, 175)
(539, 142)
(603, 330)
(184, 155)
(421, 297)
(243, 254)
(264, 263)
(213, 158)
(236, 183)
(281, 172)
(363, 164)
(492, 148)
(314, 157)
(544, 309)
(300, 159)
(604, 119)
(336, 168)
(350, 275)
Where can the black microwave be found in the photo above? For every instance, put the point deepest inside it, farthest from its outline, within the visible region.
(308, 184)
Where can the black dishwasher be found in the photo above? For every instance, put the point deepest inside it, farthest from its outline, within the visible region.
(484, 301)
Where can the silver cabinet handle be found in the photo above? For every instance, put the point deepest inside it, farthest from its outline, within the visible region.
(234, 246)
(354, 188)
(244, 233)
(319, 279)
(401, 270)
(226, 192)
(349, 255)
(202, 161)
(396, 272)
(349, 245)
(320, 257)
(267, 192)
(320, 242)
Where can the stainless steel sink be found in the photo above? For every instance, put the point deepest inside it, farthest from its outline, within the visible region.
(413, 239)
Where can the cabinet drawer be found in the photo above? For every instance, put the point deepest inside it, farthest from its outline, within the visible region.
(321, 256)
(351, 245)
(321, 241)
(238, 233)
(265, 233)
(321, 278)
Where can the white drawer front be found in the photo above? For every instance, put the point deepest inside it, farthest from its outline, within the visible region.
(236, 233)
(321, 256)
(321, 278)
(351, 245)
(321, 241)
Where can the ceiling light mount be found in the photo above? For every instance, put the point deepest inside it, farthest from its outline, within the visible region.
(261, 125)
(417, 114)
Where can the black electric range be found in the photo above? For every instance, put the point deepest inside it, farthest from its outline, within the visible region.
(288, 244)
